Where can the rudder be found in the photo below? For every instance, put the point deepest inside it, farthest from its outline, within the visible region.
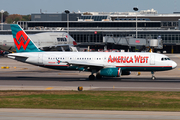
(22, 41)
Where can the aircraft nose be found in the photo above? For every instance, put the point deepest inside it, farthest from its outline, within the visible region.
(174, 65)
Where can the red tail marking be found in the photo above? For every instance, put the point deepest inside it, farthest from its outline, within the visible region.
(22, 39)
(74, 43)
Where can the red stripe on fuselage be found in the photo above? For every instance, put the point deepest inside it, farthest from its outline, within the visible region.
(143, 66)
(56, 65)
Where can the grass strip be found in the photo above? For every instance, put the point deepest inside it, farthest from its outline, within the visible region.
(93, 100)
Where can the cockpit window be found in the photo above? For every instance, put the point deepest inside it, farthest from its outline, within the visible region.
(163, 59)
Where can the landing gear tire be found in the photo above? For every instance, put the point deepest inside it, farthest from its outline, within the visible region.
(153, 78)
(98, 76)
(91, 77)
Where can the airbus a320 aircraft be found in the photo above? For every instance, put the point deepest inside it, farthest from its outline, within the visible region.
(108, 64)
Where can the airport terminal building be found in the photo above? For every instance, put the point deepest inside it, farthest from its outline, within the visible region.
(90, 28)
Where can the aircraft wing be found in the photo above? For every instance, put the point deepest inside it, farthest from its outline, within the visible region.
(86, 64)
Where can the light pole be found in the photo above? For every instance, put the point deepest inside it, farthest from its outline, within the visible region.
(136, 9)
(2, 11)
(67, 13)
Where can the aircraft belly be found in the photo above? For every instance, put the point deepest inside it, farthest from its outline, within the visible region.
(146, 68)
(62, 67)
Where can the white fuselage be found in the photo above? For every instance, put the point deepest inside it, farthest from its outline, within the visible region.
(127, 61)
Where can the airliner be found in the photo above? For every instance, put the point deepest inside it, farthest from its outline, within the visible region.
(103, 64)
(45, 41)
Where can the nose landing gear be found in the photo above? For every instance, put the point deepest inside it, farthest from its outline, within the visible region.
(153, 77)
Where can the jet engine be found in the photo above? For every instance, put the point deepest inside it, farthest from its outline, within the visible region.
(110, 72)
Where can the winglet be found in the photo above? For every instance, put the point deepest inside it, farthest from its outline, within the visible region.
(22, 41)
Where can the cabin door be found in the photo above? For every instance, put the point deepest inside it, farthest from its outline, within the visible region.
(152, 60)
(40, 58)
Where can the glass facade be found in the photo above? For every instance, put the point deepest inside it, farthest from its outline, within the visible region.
(92, 24)
(85, 37)
(95, 18)
(84, 32)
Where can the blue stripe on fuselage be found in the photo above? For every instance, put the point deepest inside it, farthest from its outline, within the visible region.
(146, 68)
(126, 68)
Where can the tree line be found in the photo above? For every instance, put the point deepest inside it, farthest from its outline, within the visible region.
(13, 18)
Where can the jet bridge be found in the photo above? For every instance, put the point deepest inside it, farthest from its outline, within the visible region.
(134, 42)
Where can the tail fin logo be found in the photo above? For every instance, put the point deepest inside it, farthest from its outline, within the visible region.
(21, 40)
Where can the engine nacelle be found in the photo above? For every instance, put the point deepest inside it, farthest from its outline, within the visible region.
(111, 72)
(126, 73)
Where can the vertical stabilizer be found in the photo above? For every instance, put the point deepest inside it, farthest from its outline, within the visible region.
(22, 41)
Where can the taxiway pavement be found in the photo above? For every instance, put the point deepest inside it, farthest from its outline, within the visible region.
(54, 114)
(22, 76)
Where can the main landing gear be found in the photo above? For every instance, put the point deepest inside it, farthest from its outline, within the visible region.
(153, 77)
(98, 76)
(92, 77)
